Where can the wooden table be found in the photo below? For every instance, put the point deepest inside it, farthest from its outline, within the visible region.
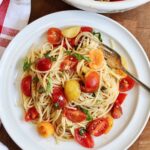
(136, 21)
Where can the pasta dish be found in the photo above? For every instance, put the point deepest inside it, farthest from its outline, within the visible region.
(68, 89)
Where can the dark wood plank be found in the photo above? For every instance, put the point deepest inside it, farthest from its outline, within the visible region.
(137, 21)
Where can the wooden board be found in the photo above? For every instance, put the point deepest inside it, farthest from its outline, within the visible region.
(137, 21)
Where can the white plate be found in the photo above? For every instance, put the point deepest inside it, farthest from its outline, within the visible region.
(106, 7)
(136, 107)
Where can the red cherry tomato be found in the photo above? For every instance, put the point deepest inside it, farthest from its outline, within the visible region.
(126, 84)
(74, 115)
(83, 138)
(54, 36)
(43, 64)
(98, 126)
(86, 29)
(120, 99)
(71, 42)
(116, 111)
(58, 97)
(26, 85)
(92, 81)
(69, 63)
(31, 114)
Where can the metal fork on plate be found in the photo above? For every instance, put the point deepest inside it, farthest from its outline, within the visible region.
(114, 61)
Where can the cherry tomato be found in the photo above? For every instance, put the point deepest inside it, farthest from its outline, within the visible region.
(74, 115)
(43, 64)
(54, 36)
(26, 85)
(71, 42)
(31, 114)
(86, 29)
(98, 126)
(92, 81)
(126, 84)
(120, 99)
(116, 111)
(58, 97)
(69, 63)
(83, 138)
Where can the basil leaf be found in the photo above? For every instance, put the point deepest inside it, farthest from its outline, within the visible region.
(26, 65)
(49, 85)
(47, 55)
(82, 131)
(98, 35)
(88, 115)
(53, 58)
(80, 57)
(68, 52)
(56, 105)
(35, 79)
(41, 90)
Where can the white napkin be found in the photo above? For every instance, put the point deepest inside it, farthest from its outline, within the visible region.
(14, 15)
(3, 147)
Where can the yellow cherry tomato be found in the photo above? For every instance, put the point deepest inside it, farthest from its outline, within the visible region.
(72, 90)
(45, 129)
(110, 123)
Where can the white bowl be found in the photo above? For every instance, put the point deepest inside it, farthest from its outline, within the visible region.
(106, 7)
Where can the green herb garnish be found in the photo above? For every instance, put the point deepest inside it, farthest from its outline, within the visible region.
(35, 79)
(88, 115)
(47, 55)
(56, 105)
(26, 65)
(68, 52)
(53, 58)
(49, 85)
(82, 131)
(98, 35)
(80, 57)
(41, 90)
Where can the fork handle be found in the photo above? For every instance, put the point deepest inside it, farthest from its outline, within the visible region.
(136, 79)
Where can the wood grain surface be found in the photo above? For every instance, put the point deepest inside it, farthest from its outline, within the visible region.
(137, 21)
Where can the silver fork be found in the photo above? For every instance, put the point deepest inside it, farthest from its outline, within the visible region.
(114, 61)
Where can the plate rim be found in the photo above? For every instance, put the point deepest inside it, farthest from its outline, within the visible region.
(72, 11)
(107, 6)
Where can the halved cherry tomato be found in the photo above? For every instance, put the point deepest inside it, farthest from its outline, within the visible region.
(92, 81)
(116, 111)
(58, 97)
(54, 36)
(126, 84)
(120, 99)
(97, 58)
(98, 126)
(83, 138)
(26, 85)
(69, 63)
(86, 29)
(74, 115)
(110, 123)
(31, 114)
(43, 64)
